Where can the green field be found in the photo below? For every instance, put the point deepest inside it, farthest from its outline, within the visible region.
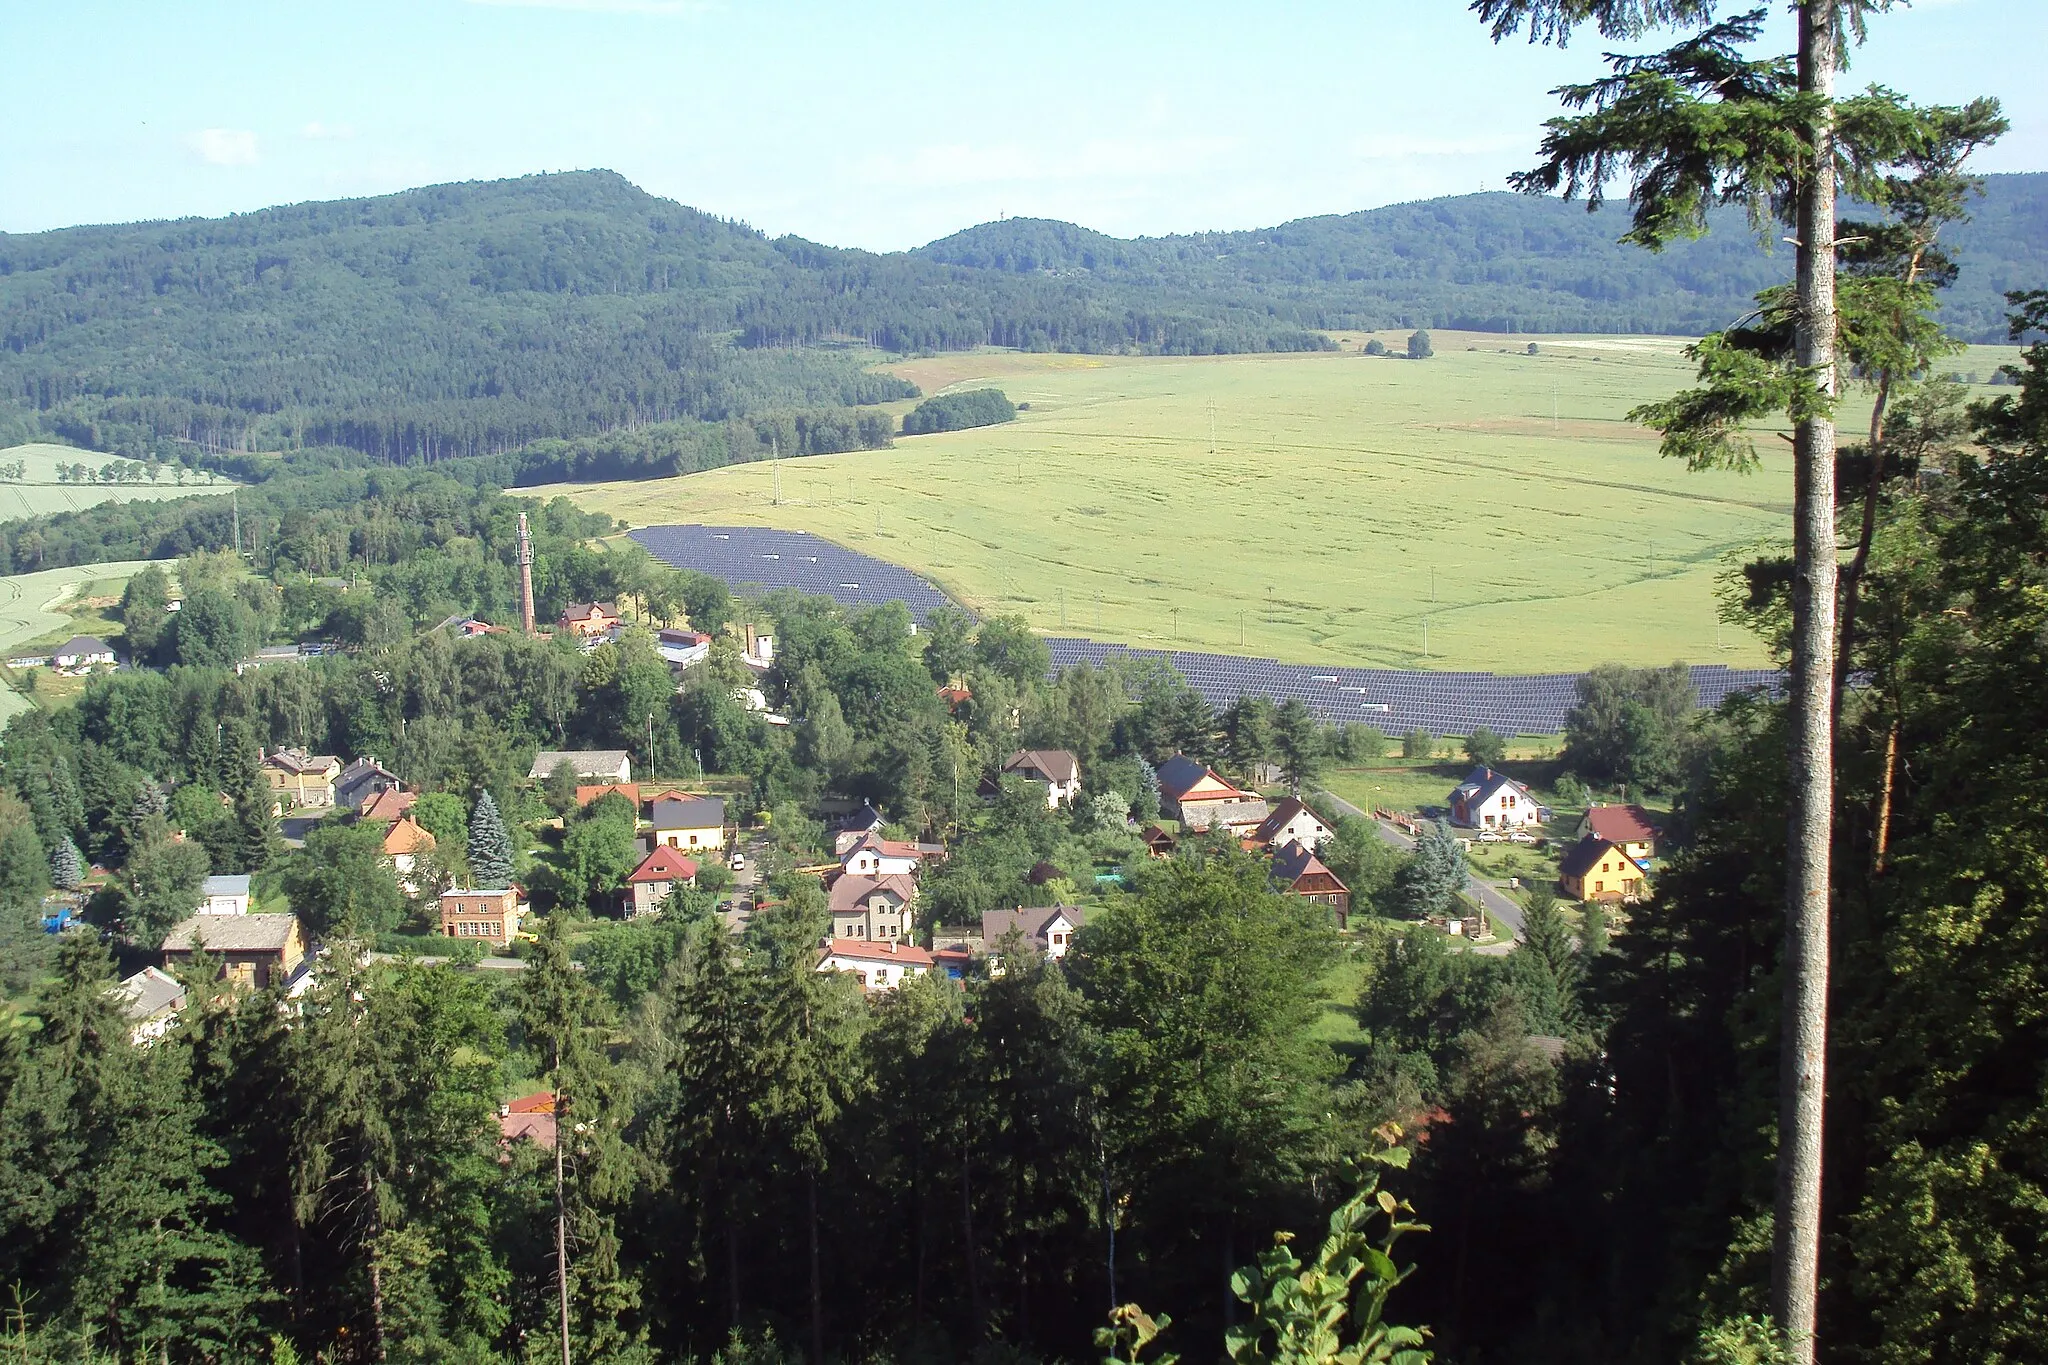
(39, 494)
(1496, 497)
(27, 611)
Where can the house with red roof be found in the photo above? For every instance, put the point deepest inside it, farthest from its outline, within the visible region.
(874, 856)
(1301, 873)
(531, 1117)
(877, 909)
(1626, 827)
(588, 620)
(1200, 798)
(1292, 822)
(880, 966)
(659, 873)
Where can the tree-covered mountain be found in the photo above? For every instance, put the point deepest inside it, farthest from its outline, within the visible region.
(475, 318)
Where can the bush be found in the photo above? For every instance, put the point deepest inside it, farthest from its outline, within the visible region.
(464, 952)
(1418, 744)
(1418, 345)
(959, 411)
(1485, 747)
(1375, 347)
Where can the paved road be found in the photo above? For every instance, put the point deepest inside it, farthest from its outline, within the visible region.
(1499, 906)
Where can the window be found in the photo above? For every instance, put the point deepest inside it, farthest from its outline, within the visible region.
(1599, 886)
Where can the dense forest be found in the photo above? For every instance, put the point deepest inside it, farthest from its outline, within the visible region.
(471, 319)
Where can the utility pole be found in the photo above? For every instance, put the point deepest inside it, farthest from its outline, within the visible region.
(775, 459)
(1212, 426)
(235, 502)
(1425, 637)
(1063, 608)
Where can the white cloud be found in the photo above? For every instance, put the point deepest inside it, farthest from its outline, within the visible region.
(317, 131)
(224, 146)
(606, 6)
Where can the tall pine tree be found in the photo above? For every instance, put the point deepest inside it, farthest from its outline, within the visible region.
(490, 848)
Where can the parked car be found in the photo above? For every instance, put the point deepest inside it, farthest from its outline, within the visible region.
(1521, 836)
(739, 862)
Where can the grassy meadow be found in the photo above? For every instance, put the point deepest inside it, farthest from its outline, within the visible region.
(48, 608)
(1316, 508)
(40, 494)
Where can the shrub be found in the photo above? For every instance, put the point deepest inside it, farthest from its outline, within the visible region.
(1375, 347)
(1418, 345)
(959, 411)
(1418, 744)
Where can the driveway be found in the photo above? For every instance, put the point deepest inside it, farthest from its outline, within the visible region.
(1499, 906)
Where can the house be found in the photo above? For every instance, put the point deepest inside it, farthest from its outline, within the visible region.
(588, 620)
(224, 896)
(1490, 800)
(1158, 842)
(83, 651)
(1301, 873)
(598, 791)
(955, 698)
(1048, 928)
(1058, 771)
(489, 916)
(1626, 827)
(681, 648)
(362, 779)
(658, 874)
(150, 1000)
(1594, 869)
(531, 1117)
(298, 778)
(1197, 796)
(253, 950)
(758, 648)
(597, 765)
(388, 806)
(1292, 822)
(849, 830)
(690, 822)
(880, 966)
(404, 842)
(874, 856)
(471, 628)
(877, 909)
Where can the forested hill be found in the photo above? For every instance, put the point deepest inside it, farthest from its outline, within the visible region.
(475, 318)
(1494, 262)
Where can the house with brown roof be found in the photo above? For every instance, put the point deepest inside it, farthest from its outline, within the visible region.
(1292, 822)
(1594, 869)
(1626, 827)
(1158, 842)
(880, 966)
(1048, 928)
(599, 790)
(1058, 771)
(1200, 798)
(403, 844)
(490, 916)
(878, 909)
(588, 620)
(388, 806)
(1300, 872)
(874, 856)
(298, 778)
(253, 950)
(659, 873)
(531, 1117)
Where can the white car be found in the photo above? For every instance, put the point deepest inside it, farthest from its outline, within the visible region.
(1521, 836)
(1489, 837)
(739, 862)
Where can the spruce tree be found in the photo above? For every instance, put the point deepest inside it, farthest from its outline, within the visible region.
(490, 848)
(67, 866)
(1545, 936)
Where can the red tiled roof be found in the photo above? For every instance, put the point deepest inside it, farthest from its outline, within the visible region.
(539, 1102)
(1621, 824)
(405, 836)
(387, 805)
(629, 790)
(908, 954)
(663, 865)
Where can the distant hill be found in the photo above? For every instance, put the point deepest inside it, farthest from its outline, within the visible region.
(475, 318)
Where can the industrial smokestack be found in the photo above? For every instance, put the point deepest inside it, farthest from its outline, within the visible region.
(525, 575)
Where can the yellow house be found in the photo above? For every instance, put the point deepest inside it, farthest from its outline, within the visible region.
(1597, 870)
(690, 822)
(298, 778)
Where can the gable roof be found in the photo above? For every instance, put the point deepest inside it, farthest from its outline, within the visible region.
(1580, 858)
(149, 993)
(1480, 785)
(1155, 837)
(388, 805)
(849, 893)
(1180, 775)
(1057, 764)
(1269, 828)
(695, 812)
(866, 950)
(1030, 920)
(299, 761)
(1621, 824)
(664, 864)
(888, 848)
(598, 791)
(406, 836)
(360, 770)
(865, 818)
(588, 611)
(233, 933)
(584, 762)
(1293, 862)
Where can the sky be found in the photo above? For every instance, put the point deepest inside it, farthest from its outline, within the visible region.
(869, 123)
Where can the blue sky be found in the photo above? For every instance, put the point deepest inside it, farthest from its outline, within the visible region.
(869, 123)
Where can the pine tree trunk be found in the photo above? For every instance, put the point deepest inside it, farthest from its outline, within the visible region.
(967, 1240)
(1802, 1081)
(817, 1287)
(561, 1210)
(377, 1345)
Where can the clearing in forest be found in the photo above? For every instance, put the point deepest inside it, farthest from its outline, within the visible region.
(40, 493)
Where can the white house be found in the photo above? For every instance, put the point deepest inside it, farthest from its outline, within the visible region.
(681, 648)
(1048, 928)
(597, 765)
(1490, 800)
(82, 651)
(880, 966)
(1058, 770)
(151, 1000)
(1292, 822)
(224, 896)
(874, 856)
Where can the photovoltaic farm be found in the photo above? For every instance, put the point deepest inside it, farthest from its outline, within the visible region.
(1486, 509)
(754, 560)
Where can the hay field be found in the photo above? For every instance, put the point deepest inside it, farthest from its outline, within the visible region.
(28, 605)
(40, 494)
(1343, 505)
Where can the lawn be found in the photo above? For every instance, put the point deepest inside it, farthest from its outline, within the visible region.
(29, 612)
(1324, 507)
(40, 494)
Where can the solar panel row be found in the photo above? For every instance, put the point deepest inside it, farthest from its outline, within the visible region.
(753, 559)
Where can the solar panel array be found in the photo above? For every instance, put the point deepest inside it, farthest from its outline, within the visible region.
(756, 559)
(753, 559)
(1395, 701)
